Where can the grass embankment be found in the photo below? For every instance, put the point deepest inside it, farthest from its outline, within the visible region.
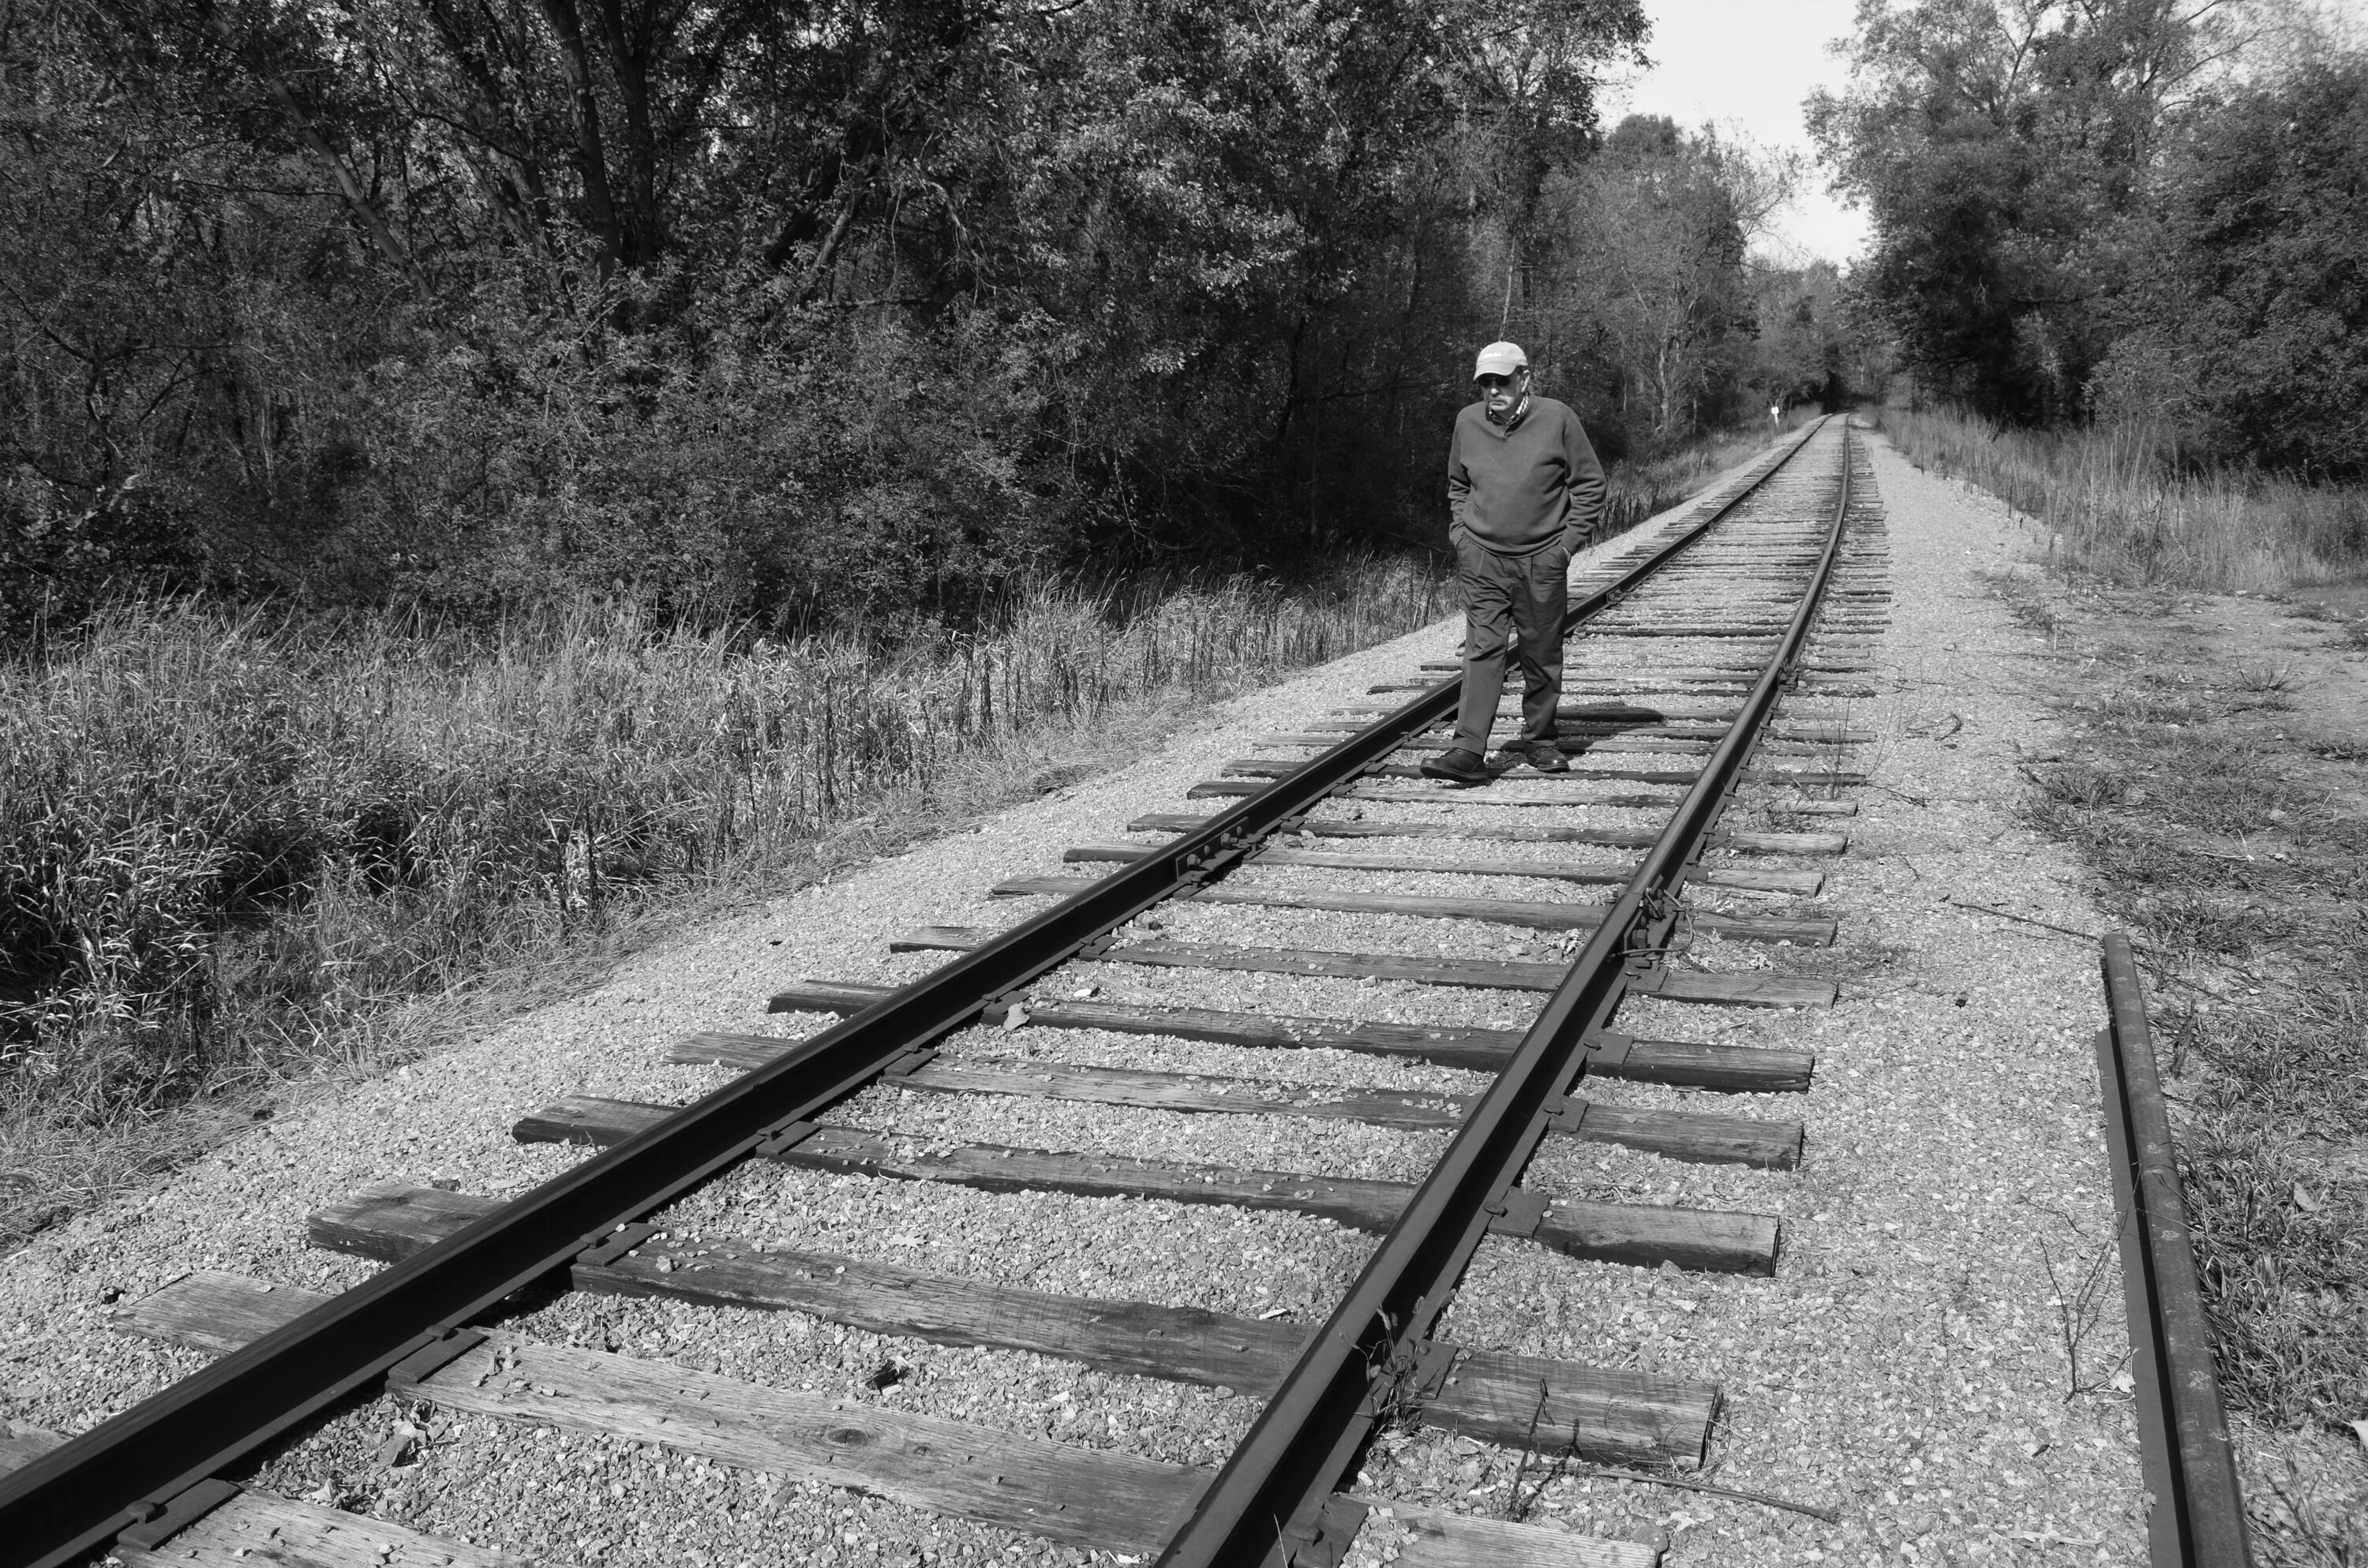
(229, 844)
(2227, 824)
(236, 850)
(2118, 506)
(2239, 857)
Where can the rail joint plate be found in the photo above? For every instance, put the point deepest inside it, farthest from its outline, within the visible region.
(1518, 1212)
(906, 1065)
(434, 1357)
(1563, 1115)
(178, 1513)
(1606, 1049)
(1322, 1540)
(783, 1139)
(605, 1250)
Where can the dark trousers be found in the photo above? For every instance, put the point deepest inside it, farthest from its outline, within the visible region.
(1511, 604)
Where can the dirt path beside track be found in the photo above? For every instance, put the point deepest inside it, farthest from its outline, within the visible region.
(2214, 784)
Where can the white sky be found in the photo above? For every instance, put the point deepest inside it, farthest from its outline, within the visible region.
(1747, 65)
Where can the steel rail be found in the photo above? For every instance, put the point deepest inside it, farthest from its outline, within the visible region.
(2198, 1519)
(1273, 1501)
(126, 1471)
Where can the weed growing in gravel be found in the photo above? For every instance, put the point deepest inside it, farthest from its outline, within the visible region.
(2083, 1275)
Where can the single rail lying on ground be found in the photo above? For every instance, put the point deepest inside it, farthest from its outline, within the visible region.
(158, 1466)
(2197, 1519)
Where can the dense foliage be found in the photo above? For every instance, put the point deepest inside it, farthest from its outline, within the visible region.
(824, 311)
(2134, 209)
(2250, 330)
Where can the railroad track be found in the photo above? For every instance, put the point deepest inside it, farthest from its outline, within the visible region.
(1711, 668)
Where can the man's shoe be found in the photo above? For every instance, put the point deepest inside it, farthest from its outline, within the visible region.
(1541, 757)
(1461, 765)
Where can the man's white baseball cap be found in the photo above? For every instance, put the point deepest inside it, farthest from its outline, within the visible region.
(1500, 359)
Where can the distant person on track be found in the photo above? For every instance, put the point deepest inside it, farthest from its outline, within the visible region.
(1525, 493)
(1776, 417)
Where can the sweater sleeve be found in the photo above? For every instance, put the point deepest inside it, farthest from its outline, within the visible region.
(1587, 491)
(1459, 484)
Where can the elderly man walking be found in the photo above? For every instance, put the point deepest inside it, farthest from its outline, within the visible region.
(1525, 492)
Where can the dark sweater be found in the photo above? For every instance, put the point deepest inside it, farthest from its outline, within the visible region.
(1517, 491)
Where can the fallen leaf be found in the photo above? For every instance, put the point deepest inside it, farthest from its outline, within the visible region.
(2359, 1430)
(2305, 1201)
(1014, 1017)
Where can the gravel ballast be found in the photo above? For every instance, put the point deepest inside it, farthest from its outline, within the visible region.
(1936, 1361)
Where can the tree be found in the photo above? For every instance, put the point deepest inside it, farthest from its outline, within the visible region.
(2000, 145)
(2245, 329)
(1646, 243)
(1814, 342)
(807, 308)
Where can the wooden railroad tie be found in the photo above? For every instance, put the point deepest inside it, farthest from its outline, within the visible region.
(1556, 795)
(1625, 1415)
(1646, 1235)
(1580, 773)
(1583, 773)
(1499, 794)
(1606, 873)
(1690, 685)
(1736, 1069)
(1807, 932)
(1818, 667)
(1064, 1492)
(1579, 740)
(1791, 740)
(1610, 837)
(1707, 1138)
(257, 1525)
(1747, 989)
(1622, 714)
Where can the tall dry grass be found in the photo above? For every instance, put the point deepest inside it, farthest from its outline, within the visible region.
(2117, 503)
(223, 837)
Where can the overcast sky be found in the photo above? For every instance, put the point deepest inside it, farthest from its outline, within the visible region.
(1748, 67)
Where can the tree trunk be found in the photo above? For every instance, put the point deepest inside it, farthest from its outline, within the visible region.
(333, 163)
(631, 51)
(591, 156)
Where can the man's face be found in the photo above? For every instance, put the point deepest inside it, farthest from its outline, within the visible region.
(1504, 392)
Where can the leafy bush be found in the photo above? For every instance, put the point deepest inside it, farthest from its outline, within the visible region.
(2247, 332)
